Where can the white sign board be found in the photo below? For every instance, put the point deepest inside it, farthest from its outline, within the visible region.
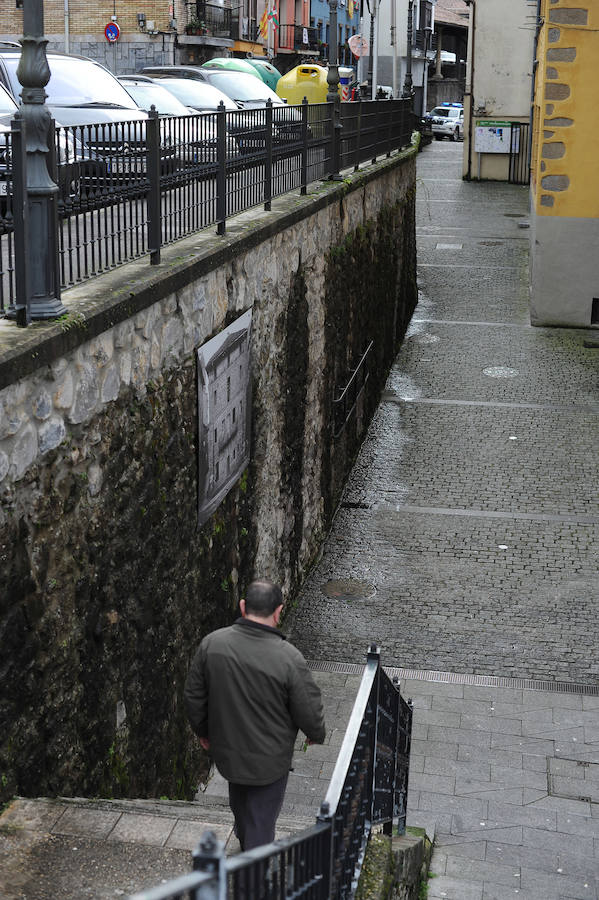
(495, 137)
(224, 413)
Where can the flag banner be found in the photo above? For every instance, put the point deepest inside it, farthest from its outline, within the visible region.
(263, 29)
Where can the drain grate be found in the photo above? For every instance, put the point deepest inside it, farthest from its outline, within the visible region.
(530, 684)
(573, 779)
(347, 589)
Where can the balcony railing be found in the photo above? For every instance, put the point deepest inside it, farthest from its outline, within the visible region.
(212, 20)
(298, 38)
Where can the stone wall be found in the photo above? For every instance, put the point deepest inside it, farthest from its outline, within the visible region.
(106, 582)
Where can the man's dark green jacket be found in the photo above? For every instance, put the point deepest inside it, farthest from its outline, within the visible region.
(249, 691)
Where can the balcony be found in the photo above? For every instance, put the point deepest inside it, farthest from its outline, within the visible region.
(298, 39)
(208, 21)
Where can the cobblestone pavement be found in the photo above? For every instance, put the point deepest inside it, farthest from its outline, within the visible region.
(468, 535)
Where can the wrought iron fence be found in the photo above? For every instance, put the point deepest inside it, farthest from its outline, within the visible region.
(368, 788)
(127, 188)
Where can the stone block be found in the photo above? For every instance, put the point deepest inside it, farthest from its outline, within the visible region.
(86, 393)
(64, 391)
(51, 434)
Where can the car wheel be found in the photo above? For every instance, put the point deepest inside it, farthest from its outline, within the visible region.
(438, 137)
(455, 136)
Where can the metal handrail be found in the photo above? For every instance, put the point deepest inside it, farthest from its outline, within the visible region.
(324, 860)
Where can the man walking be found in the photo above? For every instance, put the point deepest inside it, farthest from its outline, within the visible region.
(247, 694)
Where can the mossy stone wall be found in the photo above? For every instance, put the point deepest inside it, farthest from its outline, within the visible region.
(106, 582)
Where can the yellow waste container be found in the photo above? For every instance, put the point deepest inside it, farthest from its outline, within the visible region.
(309, 81)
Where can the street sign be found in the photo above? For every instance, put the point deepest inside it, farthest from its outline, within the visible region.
(112, 32)
(358, 45)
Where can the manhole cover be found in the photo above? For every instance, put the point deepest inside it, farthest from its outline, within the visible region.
(347, 589)
(500, 372)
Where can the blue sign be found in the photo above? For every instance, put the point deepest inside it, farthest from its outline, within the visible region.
(112, 32)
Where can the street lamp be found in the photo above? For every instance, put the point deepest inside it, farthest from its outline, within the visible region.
(333, 89)
(41, 241)
(408, 87)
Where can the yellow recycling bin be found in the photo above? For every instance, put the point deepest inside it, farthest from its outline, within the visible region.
(309, 81)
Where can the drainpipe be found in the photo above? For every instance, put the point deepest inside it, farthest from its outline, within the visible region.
(469, 91)
(66, 27)
(394, 48)
(535, 66)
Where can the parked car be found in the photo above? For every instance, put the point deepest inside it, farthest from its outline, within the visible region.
(191, 87)
(194, 135)
(100, 114)
(73, 160)
(447, 120)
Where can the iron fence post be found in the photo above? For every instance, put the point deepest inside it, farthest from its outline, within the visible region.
(390, 110)
(33, 73)
(209, 857)
(374, 653)
(375, 144)
(221, 172)
(304, 159)
(358, 136)
(268, 159)
(20, 213)
(397, 713)
(154, 198)
(324, 815)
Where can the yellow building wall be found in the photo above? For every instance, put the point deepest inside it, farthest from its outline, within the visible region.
(565, 173)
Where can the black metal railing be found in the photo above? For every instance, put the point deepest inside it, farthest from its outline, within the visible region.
(211, 19)
(519, 166)
(347, 401)
(298, 37)
(128, 188)
(368, 788)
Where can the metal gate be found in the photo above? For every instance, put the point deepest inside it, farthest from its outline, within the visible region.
(519, 155)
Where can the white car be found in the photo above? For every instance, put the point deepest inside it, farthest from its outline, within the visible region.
(447, 120)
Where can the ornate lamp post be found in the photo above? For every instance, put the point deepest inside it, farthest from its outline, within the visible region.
(333, 91)
(408, 87)
(33, 73)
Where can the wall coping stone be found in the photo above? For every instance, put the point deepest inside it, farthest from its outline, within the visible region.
(111, 298)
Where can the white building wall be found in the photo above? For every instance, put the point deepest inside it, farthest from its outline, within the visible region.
(500, 74)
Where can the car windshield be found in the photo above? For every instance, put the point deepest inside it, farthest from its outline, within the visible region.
(440, 111)
(146, 94)
(197, 94)
(7, 104)
(240, 86)
(76, 82)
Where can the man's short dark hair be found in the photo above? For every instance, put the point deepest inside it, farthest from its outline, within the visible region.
(263, 597)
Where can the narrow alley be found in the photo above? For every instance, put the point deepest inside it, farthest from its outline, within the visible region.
(467, 546)
(467, 539)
